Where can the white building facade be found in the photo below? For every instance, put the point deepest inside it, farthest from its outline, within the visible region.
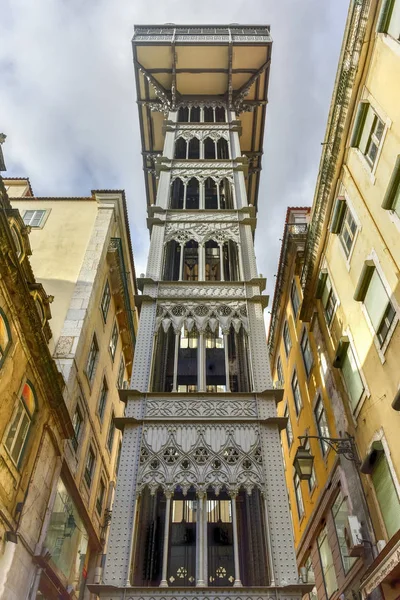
(201, 500)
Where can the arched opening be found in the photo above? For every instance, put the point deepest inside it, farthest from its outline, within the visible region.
(220, 114)
(5, 337)
(149, 540)
(187, 360)
(192, 194)
(231, 261)
(239, 363)
(191, 261)
(210, 194)
(225, 195)
(222, 148)
(163, 373)
(172, 256)
(212, 261)
(183, 114)
(215, 360)
(180, 148)
(209, 148)
(194, 148)
(195, 114)
(177, 194)
(208, 112)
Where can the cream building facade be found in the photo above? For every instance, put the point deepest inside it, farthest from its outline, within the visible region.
(81, 252)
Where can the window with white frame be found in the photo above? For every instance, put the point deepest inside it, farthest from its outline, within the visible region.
(367, 133)
(346, 361)
(389, 18)
(372, 293)
(298, 403)
(322, 423)
(306, 352)
(294, 296)
(286, 338)
(340, 514)
(327, 564)
(289, 430)
(92, 358)
(299, 496)
(34, 218)
(89, 466)
(105, 300)
(391, 200)
(326, 294)
(279, 371)
(113, 341)
(344, 224)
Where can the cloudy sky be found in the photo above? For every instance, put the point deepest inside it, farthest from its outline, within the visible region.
(67, 98)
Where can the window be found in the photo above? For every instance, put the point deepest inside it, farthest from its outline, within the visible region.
(312, 481)
(322, 424)
(340, 513)
(118, 458)
(34, 218)
(294, 295)
(346, 361)
(347, 232)
(391, 200)
(103, 398)
(92, 359)
(289, 430)
(77, 422)
(20, 423)
(298, 403)
(371, 291)
(111, 431)
(279, 371)
(328, 569)
(389, 19)
(105, 300)
(17, 241)
(311, 579)
(286, 338)
(367, 133)
(385, 490)
(100, 496)
(121, 373)
(5, 337)
(89, 466)
(114, 341)
(299, 497)
(327, 296)
(306, 352)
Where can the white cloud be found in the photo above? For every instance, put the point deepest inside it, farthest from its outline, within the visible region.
(67, 99)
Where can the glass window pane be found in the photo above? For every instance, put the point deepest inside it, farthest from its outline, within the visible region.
(20, 437)
(386, 495)
(354, 384)
(328, 569)
(340, 513)
(376, 300)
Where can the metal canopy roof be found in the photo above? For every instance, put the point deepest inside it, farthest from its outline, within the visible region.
(179, 64)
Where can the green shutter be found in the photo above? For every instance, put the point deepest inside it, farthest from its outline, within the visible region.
(341, 352)
(364, 281)
(366, 129)
(338, 214)
(392, 188)
(386, 495)
(321, 283)
(359, 121)
(384, 16)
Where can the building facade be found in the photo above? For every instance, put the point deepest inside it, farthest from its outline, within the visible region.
(82, 255)
(348, 295)
(201, 500)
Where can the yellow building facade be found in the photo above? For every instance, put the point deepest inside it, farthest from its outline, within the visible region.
(82, 255)
(348, 285)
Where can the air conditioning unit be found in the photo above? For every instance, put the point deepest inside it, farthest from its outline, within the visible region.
(353, 536)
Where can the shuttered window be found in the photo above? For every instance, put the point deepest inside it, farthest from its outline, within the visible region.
(367, 133)
(391, 200)
(386, 495)
(389, 18)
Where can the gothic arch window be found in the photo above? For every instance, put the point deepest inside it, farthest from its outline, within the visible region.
(239, 361)
(172, 257)
(183, 114)
(209, 149)
(212, 261)
(225, 195)
(187, 360)
(222, 148)
(177, 194)
(163, 360)
(192, 194)
(21, 423)
(208, 112)
(230, 260)
(190, 261)
(5, 337)
(194, 149)
(195, 114)
(215, 360)
(220, 115)
(210, 194)
(180, 148)
(17, 242)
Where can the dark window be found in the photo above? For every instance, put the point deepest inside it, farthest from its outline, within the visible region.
(210, 194)
(220, 116)
(289, 430)
(222, 149)
(286, 338)
(208, 112)
(191, 261)
(100, 497)
(105, 300)
(92, 359)
(195, 114)
(89, 467)
(209, 149)
(225, 195)
(298, 403)
(114, 341)
(111, 431)
(306, 352)
(192, 194)
(194, 148)
(180, 148)
(77, 423)
(322, 424)
(121, 373)
(279, 371)
(299, 496)
(103, 398)
(177, 194)
(212, 261)
(294, 295)
(5, 337)
(183, 114)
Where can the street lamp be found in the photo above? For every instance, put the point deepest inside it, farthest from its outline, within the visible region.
(304, 460)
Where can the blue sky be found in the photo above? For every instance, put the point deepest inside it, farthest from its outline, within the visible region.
(67, 99)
